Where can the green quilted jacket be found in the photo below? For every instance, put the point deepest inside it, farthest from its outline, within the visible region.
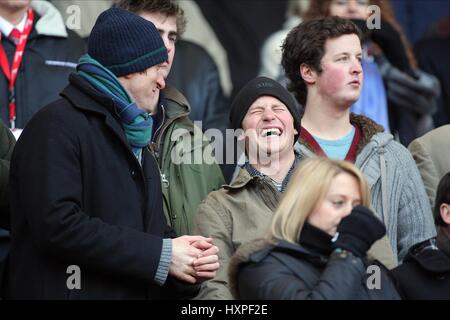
(189, 171)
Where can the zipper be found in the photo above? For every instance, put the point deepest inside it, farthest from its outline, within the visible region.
(154, 149)
(156, 146)
(165, 183)
(163, 118)
(164, 180)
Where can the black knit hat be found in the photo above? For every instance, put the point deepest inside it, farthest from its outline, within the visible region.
(125, 43)
(262, 86)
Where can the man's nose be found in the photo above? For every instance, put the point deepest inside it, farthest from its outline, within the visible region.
(268, 114)
(351, 6)
(168, 45)
(357, 67)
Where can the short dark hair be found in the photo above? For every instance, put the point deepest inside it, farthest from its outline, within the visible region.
(305, 44)
(442, 196)
(168, 8)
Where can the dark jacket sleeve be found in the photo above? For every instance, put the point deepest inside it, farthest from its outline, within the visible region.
(7, 142)
(52, 186)
(195, 74)
(217, 105)
(180, 290)
(271, 279)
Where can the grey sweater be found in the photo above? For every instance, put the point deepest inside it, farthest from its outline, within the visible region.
(398, 194)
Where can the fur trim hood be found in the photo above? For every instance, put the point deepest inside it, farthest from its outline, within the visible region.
(51, 22)
(243, 255)
(373, 139)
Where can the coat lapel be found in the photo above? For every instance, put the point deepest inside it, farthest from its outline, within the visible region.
(82, 95)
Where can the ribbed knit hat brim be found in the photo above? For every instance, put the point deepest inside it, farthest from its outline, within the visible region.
(125, 43)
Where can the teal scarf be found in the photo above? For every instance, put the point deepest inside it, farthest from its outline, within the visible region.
(136, 122)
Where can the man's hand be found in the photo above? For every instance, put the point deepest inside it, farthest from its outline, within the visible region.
(207, 264)
(194, 259)
(184, 253)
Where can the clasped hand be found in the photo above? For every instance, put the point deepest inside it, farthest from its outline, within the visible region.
(194, 259)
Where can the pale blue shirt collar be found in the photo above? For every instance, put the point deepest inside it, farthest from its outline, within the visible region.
(6, 26)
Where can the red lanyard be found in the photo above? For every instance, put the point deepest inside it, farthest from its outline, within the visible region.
(11, 73)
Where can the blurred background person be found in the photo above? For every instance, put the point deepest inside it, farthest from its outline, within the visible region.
(432, 56)
(425, 272)
(241, 28)
(171, 114)
(271, 50)
(431, 152)
(190, 70)
(7, 142)
(442, 214)
(37, 54)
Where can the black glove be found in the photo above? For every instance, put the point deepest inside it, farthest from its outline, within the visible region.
(389, 40)
(358, 231)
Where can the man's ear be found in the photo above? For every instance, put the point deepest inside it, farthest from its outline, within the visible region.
(308, 74)
(445, 213)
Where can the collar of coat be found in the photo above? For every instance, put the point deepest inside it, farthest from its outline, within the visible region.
(443, 239)
(241, 180)
(50, 22)
(80, 93)
(84, 97)
(244, 177)
(368, 129)
(177, 104)
(256, 250)
(431, 260)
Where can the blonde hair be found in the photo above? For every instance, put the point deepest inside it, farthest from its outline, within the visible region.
(307, 188)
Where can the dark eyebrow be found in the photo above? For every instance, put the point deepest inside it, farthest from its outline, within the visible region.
(342, 53)
(346, 54)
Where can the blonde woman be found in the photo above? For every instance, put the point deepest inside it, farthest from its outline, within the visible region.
(318, 241)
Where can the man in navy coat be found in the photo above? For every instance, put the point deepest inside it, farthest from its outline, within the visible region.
(86, 205)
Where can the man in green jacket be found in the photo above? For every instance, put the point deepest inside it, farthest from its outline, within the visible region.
(184, 184)
(243, 210)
